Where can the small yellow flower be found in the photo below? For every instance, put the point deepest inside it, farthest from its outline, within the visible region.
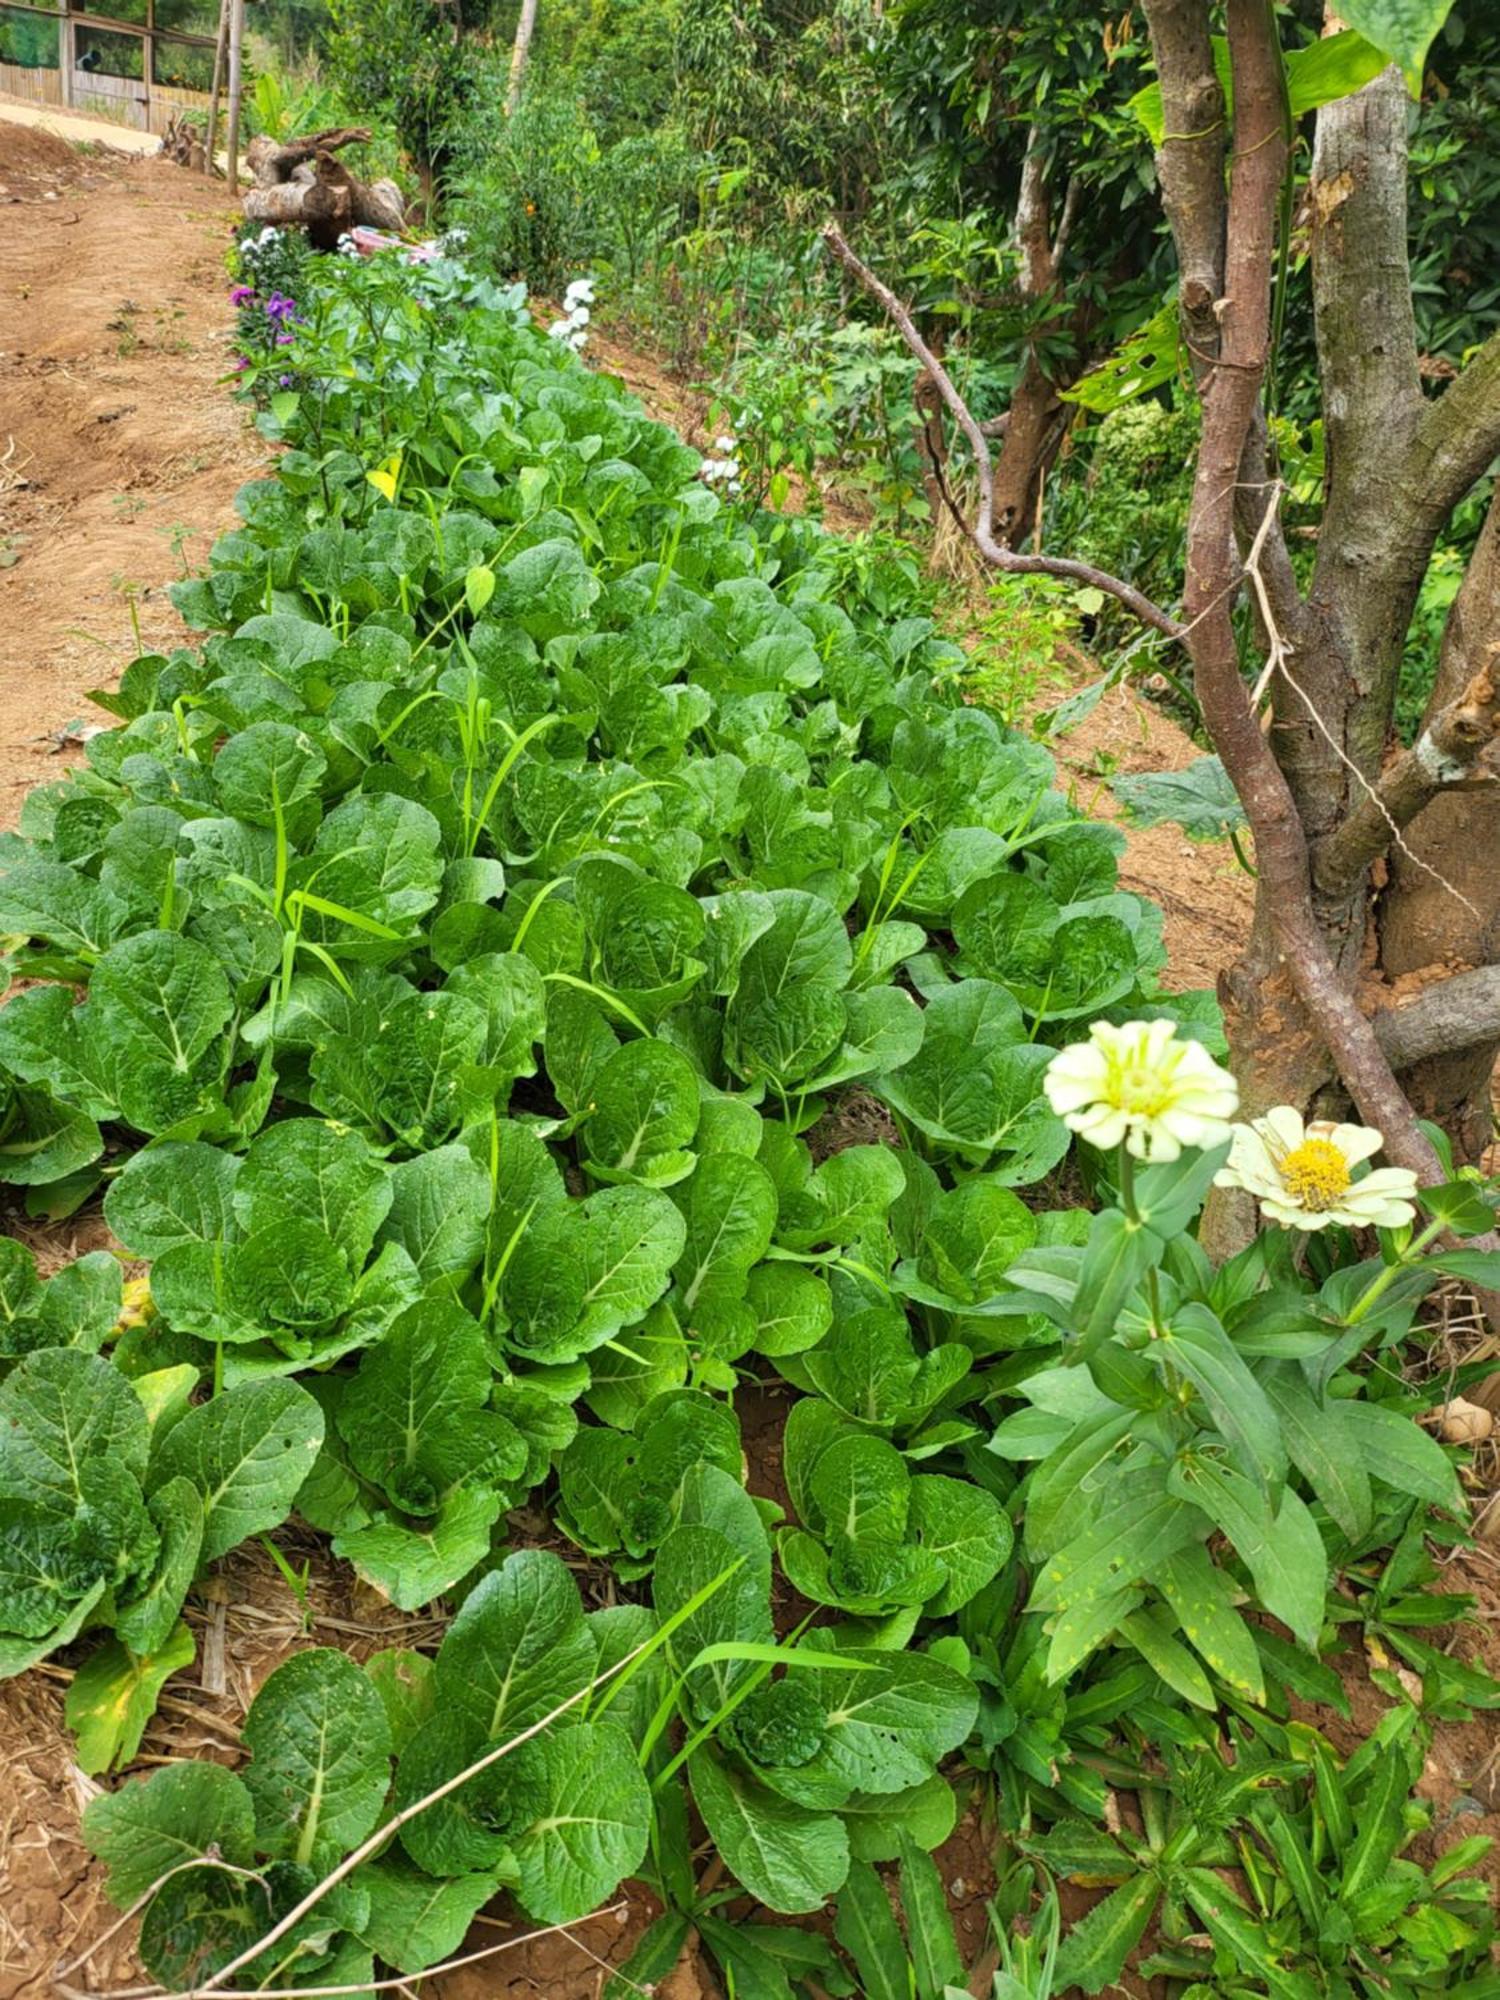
(1140, 1084)
(1303, 1175)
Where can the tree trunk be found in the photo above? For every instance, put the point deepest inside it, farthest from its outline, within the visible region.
(1031, 430)
(519, 55)
(1453, 852)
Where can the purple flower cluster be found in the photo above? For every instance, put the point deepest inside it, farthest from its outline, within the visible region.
(242, 295)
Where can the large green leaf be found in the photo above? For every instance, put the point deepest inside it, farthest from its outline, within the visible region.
(790, 1858)
(246, 1452)
(153, 1824)
(319, 1763)
(519, 1647)
(1401, 29)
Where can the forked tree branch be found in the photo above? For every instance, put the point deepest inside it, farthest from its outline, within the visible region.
(1446, 754)
(981, 529)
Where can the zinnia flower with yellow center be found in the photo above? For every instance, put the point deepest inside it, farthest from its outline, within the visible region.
(1140, 1084)
(1303, 1175)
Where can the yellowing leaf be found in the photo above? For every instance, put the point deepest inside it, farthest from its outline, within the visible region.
(386, 478)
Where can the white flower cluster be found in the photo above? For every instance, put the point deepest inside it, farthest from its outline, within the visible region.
(573, 330)
(724, 470)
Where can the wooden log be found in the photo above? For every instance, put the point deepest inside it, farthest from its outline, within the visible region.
(299, 183)
(324, 206)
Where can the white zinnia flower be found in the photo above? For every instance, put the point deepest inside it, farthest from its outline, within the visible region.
(1139, 1084)
(725, 443)
(1303, 1178)
(579, 293)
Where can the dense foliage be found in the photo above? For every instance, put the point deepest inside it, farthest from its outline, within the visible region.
(561, 954)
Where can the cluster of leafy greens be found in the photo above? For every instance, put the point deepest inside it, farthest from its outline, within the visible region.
(559, 947)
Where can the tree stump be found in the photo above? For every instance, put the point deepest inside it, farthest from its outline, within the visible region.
(302, 185)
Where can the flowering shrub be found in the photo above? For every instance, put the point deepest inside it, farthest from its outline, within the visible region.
(270, 266)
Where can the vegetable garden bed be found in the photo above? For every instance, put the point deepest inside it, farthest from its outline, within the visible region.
(561, 958)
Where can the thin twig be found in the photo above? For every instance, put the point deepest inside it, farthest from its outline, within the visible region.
(981, 529)
(216, 1982)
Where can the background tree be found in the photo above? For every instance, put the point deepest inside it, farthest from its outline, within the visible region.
(1297, 676)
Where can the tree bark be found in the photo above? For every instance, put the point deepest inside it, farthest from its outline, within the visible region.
(1034, 402)
(519, 55)
(1453, 852)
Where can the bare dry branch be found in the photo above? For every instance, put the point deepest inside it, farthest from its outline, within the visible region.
(981, 529)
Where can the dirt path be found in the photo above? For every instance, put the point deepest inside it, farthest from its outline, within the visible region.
(119, 453)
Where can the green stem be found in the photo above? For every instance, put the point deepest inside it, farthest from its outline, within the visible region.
(1381, 1283)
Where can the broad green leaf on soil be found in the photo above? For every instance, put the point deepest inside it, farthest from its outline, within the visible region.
(43, 1142)
(519, 1647)
(113, 1696)
(631, 1239)
(150, 1825)
(975, 1083)
(413, 1562)
(793, 1308)
(618, 1488)
(589, 1826)
(791, 1859)
(698, 1558)
(82, 1302)
(266, 769)
(246, 1452)
(415, 1921)
(60, 1412)
(467, 1831)
(46, 900)
(414, 1417)
(319, 1763)
(308, 1171)
(157, 1008)
(963, 1528)
(1058, 966)
(629, 1372)
(891, 1719)
(146, 1613)
(177, 1192)
(729, 1209)
(440, 1202)
(377, 855)
(878, 1823)
(1199, 798)
(201, 1919)
(646, 1106)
